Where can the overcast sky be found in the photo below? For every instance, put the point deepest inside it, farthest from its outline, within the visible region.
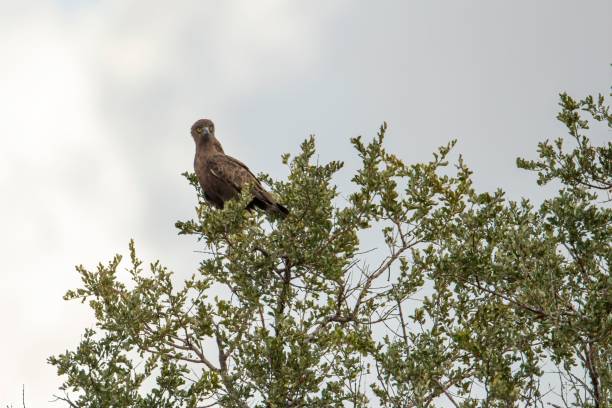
(97, 98)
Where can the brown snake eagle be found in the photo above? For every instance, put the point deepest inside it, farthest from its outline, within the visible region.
(222, 177)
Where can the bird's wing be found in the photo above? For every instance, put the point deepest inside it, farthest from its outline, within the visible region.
(244, 166)
(231, 171)
(231, 175)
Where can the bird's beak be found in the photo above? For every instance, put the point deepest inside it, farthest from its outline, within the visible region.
(207, 132)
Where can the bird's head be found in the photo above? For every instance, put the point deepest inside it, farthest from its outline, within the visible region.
(203, 129)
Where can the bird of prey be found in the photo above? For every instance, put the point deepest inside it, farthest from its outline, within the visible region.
(222, 177)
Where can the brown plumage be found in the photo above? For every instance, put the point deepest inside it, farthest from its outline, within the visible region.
(222, 177)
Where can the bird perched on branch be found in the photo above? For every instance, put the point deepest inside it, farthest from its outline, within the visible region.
(222, 177)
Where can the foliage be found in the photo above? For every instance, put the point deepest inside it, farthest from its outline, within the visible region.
(468, 301)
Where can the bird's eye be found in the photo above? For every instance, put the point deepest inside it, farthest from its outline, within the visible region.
(199, 129)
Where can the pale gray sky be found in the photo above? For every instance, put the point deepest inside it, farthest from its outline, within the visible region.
(97, 97)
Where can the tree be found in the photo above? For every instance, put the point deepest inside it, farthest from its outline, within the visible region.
(472, 299)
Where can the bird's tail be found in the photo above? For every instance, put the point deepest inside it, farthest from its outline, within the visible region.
(269, 206)
(278, 210)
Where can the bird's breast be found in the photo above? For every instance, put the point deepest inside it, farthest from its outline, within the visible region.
(199, 165)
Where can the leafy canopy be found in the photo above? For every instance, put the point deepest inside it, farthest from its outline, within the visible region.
(468, 301)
